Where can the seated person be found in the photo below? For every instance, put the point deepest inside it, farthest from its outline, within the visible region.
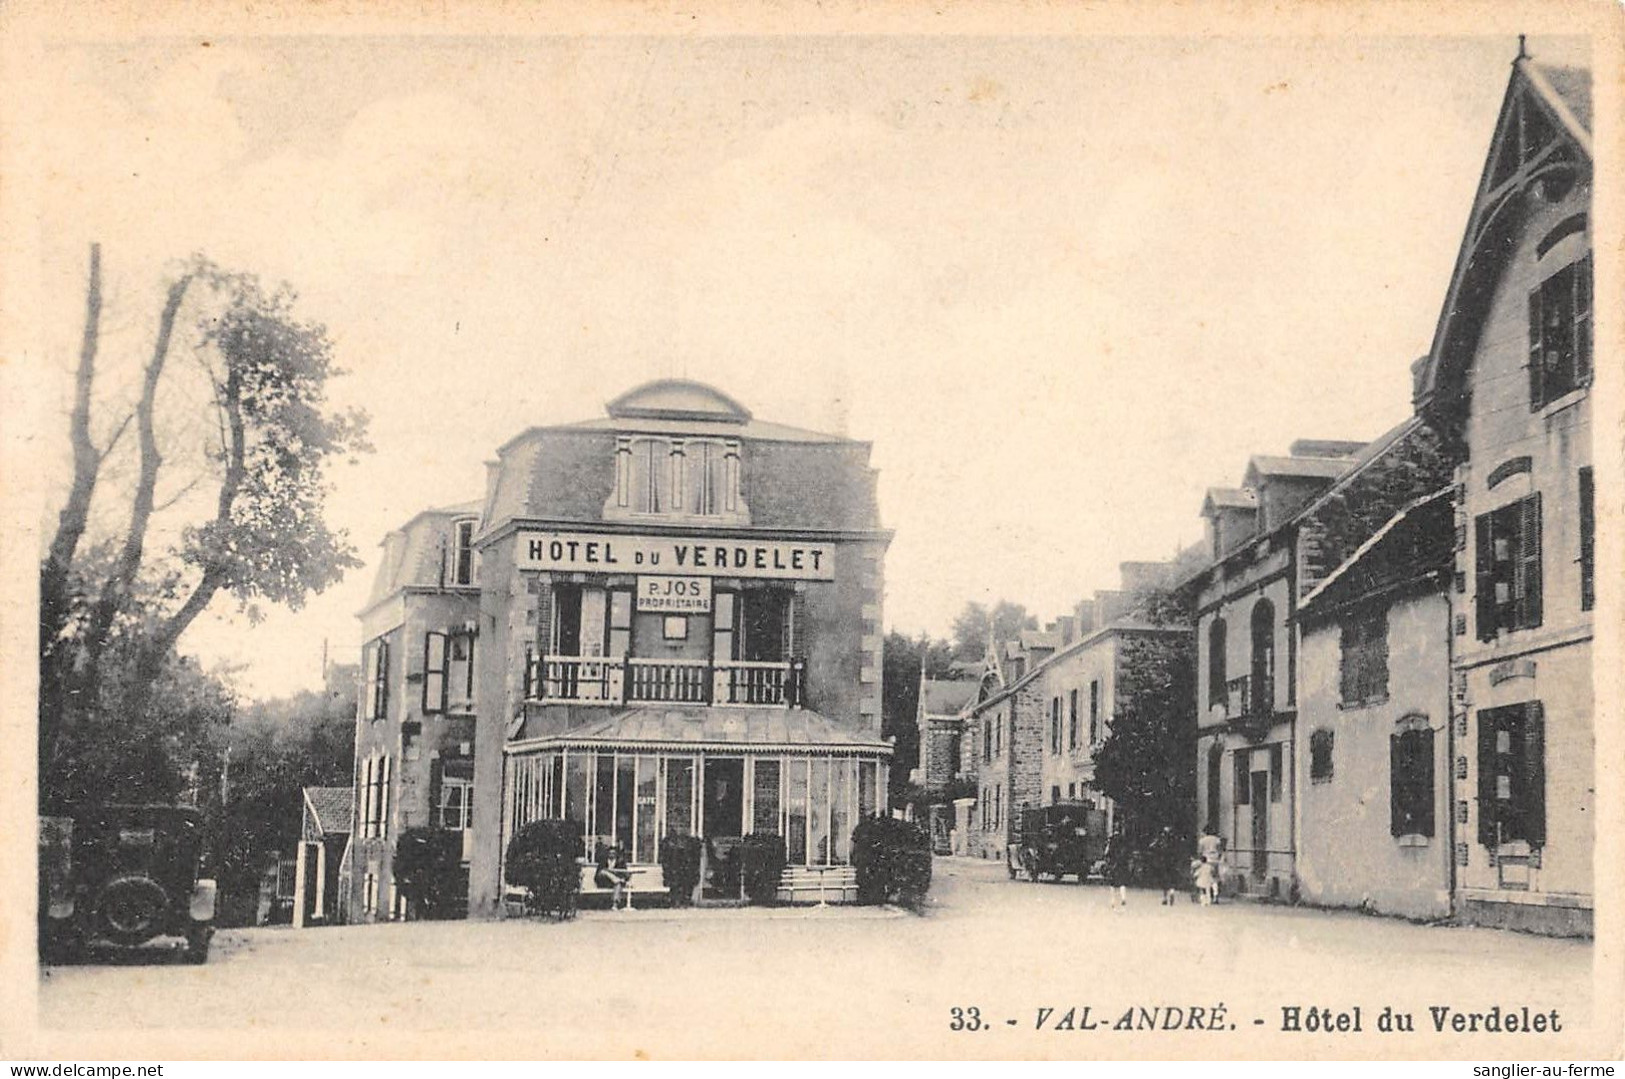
(613, 873)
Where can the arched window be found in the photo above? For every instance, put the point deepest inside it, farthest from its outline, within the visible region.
(1263, 672)
(1215, 662)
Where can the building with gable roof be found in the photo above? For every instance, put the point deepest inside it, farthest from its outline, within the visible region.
(1508, 379)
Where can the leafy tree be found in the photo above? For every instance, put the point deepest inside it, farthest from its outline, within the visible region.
(1147, 762)
(113, 609)
(971, 628)
(277, 748)
(905, 659)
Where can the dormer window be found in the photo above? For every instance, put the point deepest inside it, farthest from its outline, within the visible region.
(691, 477)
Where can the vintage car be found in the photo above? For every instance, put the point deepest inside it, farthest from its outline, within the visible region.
(124, 874)
(1054, 840)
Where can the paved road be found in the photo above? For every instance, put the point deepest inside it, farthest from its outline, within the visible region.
(830, 982)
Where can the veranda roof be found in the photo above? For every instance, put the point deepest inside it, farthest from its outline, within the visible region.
(696, 727)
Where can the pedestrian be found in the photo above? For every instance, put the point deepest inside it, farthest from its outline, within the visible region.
(1168, 864)
(1117, 871)
(1210, 848)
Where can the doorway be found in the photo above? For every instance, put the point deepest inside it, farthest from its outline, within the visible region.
(1261, 823)
(724, 824)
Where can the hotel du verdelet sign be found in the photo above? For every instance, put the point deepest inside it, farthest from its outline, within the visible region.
(676, 556)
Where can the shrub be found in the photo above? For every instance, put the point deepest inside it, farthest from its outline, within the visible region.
(762, 863)
(429, 872)
(542, 858)
(680, 866)
(893, 860)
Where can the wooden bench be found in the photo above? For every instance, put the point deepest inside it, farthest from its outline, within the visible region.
(818, 884)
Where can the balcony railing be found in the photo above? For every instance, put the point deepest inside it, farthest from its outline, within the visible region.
(597, 680)
(1250, 700)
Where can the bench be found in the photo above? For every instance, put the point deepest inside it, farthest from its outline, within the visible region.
(818, 884)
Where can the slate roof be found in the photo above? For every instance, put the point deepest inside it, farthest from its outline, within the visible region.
(331, 808)
(945, 697)
(1229, 497)
(1572, 87)
(1325, 468)
(697, 726)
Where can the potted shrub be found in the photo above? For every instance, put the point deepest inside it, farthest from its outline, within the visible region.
(429, 872)
(762, 861)
(680, 867)
(542, 859)
(893, 860)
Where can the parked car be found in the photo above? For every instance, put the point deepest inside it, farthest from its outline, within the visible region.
(1054, 840)
(125, 875)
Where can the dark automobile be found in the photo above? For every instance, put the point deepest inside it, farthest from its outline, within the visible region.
(124, 874)
(1054, 840)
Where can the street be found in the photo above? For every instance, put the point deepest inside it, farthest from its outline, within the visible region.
(844, 981)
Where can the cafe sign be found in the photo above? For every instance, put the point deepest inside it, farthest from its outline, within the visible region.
(675, 595)
(592, 552)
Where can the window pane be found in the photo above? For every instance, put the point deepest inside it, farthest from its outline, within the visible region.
(575, 787)
(840, 806)
(643, 849)
(795, 798)
(624, 796)
(680, 796)
(866, 788)
(818, 805)
(603, 813)
(765, 798)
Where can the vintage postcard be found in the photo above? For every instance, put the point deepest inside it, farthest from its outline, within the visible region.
(1013, 531)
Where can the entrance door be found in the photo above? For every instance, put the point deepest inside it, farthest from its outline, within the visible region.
(724, 824)
(1261, 822)
(724, 797)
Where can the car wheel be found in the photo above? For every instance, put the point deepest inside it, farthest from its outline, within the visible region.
(130, 910)
(198, 938)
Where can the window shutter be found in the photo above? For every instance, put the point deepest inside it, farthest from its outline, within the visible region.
(436, 773)
(1423, 788)
(1588, 541)
(468, 689)
(1528, 570)
(383, 798)
(1488, 723)
(1398, 785)
(1582, 321)
(1484, 567)
(1243, 778)
(434, 672)
(381, 698)
(1532, 785)
(1348, 665)
(533, 672)
(1537, 361)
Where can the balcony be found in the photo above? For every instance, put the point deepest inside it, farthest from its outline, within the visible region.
(596, 680)
(1250, 704)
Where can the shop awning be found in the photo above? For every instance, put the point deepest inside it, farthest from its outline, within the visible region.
(718, 729)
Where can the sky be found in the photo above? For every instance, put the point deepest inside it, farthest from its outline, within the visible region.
(1063, 285)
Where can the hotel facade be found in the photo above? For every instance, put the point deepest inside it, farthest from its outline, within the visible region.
(662, 622)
